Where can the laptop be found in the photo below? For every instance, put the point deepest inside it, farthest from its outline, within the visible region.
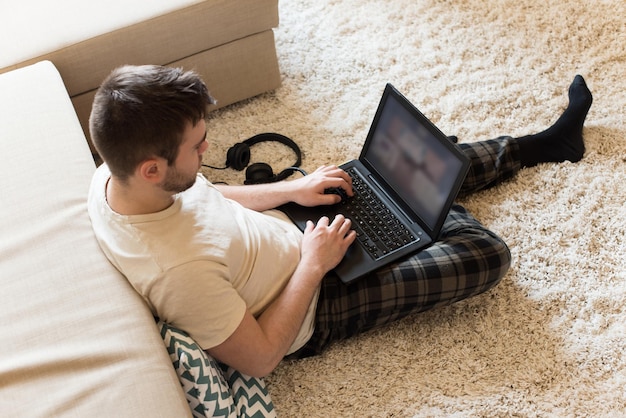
(407, 177)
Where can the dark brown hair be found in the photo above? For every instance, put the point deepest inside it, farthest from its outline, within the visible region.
(141, 112)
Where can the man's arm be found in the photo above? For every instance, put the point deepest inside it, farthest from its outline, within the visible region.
(306, 191)
(258, 345)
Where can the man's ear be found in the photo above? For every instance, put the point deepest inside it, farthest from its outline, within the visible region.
(152, 170)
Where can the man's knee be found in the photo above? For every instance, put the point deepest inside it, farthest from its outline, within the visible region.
(481, 257)
(499, 257)
(493, 259)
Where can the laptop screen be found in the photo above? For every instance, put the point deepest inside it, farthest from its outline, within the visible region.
(402, 149)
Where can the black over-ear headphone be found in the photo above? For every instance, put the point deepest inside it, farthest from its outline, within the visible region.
(238, 157)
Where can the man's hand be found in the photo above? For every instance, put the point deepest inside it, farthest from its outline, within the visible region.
(325, 244)
(306, 191)
(309, 190)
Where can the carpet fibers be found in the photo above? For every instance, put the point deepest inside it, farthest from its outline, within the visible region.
(550, 339)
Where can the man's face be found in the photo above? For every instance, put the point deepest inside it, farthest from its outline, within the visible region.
(182, 175)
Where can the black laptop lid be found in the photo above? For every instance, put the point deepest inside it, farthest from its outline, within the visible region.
(413, 160)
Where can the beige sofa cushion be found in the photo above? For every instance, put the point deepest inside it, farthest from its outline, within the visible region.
(77, 340)
(29, 23)
(85, 40)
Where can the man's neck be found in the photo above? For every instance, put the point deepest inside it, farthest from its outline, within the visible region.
(130, 199)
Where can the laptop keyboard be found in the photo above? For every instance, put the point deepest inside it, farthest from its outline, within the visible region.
(377, 228)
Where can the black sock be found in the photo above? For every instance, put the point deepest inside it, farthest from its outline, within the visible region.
(563, 140)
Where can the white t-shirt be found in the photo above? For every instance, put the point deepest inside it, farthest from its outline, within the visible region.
(199, 263)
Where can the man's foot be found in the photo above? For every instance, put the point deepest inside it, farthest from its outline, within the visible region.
(563, 140)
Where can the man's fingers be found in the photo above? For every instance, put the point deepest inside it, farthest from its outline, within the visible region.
(323, 221)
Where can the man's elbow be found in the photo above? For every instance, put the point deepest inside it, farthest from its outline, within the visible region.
(257, 365)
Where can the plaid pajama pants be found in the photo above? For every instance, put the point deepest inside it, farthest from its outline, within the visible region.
(467, 260)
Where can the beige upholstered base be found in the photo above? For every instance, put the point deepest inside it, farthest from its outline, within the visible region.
(233, 72)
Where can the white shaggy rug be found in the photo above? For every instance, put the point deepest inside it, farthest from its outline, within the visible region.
(550, 340)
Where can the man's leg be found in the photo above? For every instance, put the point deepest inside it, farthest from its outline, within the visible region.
(466, 261)
(499, 159)
(491, 162)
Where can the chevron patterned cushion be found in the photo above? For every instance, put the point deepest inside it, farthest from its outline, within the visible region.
(214, 390)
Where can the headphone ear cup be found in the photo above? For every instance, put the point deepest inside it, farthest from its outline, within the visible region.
(238, 156)
(258, 173)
